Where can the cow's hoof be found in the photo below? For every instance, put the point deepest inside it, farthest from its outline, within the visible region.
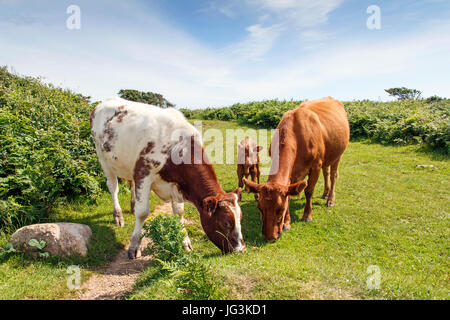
(324, 196)
(119, 221)
(132, 254)
(306, 219)
(329, 204)
(119, 224)
(138, 253)
(286, 228)
(187, 245)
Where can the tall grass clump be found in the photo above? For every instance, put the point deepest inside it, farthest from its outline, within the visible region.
(186, 272)
(46, 152)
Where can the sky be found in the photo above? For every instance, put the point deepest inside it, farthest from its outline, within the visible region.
(213, 53)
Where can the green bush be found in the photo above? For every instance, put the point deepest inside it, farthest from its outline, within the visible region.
(192, 279)
(46, 151)
(167, 234)
(185, 271)
(402, 122)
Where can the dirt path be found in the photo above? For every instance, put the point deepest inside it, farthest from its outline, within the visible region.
(117, 278)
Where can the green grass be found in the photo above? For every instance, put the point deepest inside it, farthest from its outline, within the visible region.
(388, 213)
(24, 278)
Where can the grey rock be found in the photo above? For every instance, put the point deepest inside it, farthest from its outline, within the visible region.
(62, 239)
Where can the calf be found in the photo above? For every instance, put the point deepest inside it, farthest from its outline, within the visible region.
(310, 138)
(248, 160)
(157, 149)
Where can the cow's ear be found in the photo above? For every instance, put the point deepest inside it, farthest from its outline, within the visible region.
(258, 148)
(210, 205)
(238, 192)
(296, 188)
(251, 186)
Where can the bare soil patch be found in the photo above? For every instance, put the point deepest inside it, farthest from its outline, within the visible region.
(117, 278)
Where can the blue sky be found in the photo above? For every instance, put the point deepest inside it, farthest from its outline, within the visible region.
(207, 53)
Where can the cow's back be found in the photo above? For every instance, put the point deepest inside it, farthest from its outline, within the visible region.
(323, 126)
(123, 130)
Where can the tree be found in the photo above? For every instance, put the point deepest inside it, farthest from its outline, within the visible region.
(404, 93)
(434, 99)
(145, 97)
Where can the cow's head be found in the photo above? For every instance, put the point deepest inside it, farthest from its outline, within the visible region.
(222, 221)
(273, 203)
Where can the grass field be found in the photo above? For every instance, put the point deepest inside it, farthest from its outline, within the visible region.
(24, 278)
(388, 213)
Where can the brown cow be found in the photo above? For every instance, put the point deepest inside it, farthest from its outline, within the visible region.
(248, 160)
(310, 138)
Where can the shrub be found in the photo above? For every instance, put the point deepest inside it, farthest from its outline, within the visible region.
(185, 271)
(398, 122)
(46, 152)
(192, 278)
(167, 234)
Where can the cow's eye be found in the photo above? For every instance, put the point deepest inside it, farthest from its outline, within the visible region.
(279, 217)
(227, 225)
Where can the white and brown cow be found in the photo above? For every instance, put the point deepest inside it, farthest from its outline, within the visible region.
(157, 149)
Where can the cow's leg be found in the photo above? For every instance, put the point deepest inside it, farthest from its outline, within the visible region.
(287, 218)
(240, 174)
(113, 187)
(312, 180)
(142, 209)
(253, 173)
(326, 179)
(178, 208)
(258, 172)
(333, 175)
(133, 195)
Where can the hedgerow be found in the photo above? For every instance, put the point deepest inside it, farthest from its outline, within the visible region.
(401, 122)
(46, 152)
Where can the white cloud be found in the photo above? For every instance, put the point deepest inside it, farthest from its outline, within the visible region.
(258, 42)
(312, 35)
(264, 17)
(303, 13)
(400, 60)
(227, 11)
